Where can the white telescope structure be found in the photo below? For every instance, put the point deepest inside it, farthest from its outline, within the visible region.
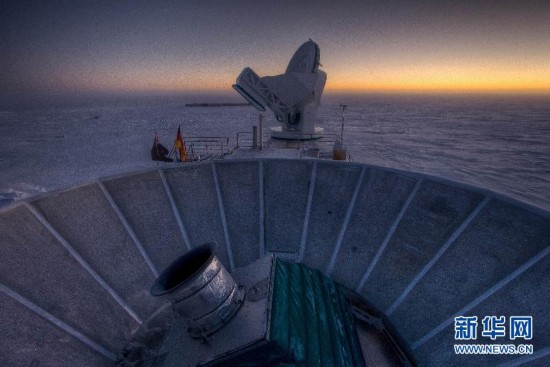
(294, 96)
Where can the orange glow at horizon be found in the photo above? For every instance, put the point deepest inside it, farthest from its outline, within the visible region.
(421, 83)
(345, 77)
(415, 46)
(441, 84)
(445, 77)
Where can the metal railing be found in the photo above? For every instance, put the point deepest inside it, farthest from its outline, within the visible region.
(245, 139)
(200, 148)
(325, 144)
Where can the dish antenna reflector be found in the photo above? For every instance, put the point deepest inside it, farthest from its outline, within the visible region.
(294, 96)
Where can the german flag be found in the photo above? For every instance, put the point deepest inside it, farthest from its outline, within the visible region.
(180, 146)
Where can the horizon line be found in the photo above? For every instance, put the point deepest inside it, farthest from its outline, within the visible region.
(53, 92)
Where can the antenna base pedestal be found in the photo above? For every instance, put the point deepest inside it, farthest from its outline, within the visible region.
(278, 133)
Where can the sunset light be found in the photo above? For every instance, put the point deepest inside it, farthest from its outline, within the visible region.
(176, 47)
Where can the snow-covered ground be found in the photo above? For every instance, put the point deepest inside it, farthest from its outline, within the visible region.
(497, 142)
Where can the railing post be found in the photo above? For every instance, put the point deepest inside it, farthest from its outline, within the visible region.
(261, 131)
(254, 137)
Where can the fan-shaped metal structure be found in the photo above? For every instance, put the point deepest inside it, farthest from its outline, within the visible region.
(77, 265)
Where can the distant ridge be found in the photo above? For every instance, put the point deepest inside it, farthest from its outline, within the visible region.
(216, 104)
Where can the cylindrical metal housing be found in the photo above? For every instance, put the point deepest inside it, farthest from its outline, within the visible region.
(201, 290)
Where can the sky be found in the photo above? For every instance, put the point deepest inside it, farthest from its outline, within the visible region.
(371, 46)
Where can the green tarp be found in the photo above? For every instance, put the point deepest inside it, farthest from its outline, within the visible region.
(311, 320)
(311, 324)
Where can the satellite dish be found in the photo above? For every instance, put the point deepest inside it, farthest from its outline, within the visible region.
(294, 96)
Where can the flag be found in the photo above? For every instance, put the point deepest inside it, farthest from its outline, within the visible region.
(180, 146)
(155, 140)
(154, 150)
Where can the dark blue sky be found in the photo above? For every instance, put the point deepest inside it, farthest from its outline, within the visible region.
(66, 46)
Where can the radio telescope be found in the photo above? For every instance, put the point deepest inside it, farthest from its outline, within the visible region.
(294, 96)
